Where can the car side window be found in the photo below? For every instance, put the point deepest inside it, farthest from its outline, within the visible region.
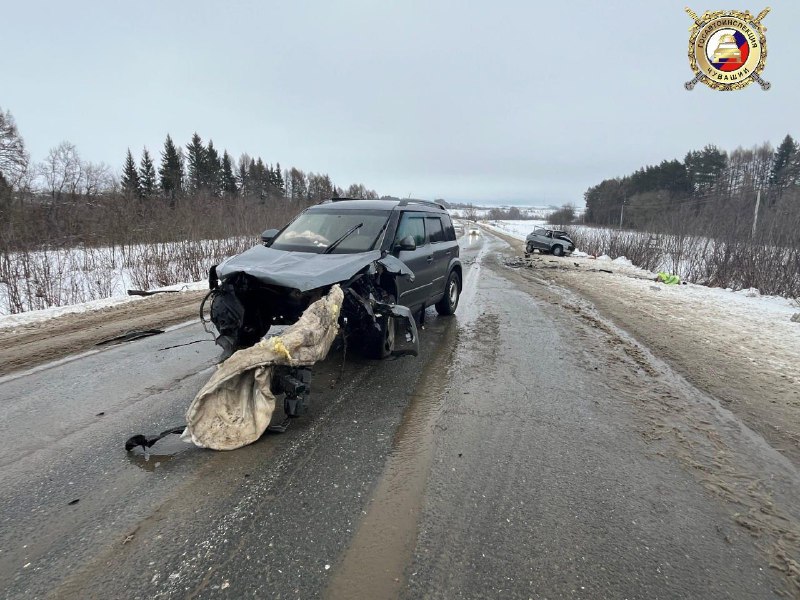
(435, 230)
(449, 230)
(412, 225)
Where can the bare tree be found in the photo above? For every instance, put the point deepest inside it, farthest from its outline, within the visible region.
(97, 178)
(13, 157)
(62, 170)
(470, 214)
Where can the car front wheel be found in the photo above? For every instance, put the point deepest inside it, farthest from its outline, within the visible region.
(384, 344)
(558, 250)
(449, 302)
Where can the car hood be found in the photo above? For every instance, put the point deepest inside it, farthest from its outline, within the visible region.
(305, 271)
(566, 238)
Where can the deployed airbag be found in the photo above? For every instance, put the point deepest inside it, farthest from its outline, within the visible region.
(235, 407)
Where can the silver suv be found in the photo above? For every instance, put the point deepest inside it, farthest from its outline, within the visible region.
(549, 240)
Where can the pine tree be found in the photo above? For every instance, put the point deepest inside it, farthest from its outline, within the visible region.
(280, 184)
(243, 176)
(196, 164)
(212, 175)
(261, 178)
(171, 171)
(704, 167)
(786, 164)
(130, 178)
(147, 176)
(228, 180)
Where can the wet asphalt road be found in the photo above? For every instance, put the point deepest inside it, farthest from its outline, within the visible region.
(508, 460)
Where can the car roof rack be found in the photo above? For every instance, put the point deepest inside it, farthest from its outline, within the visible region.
(424, 202)
(405, 202)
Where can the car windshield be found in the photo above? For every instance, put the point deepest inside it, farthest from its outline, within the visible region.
(315, 231)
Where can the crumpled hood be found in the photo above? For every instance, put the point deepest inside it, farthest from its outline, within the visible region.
(301, 271)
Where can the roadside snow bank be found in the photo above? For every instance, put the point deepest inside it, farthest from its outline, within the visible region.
(39, 316)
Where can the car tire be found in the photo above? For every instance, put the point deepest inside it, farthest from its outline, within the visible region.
(383, 346)
(529, 248)
(558, 250)
(452, 293)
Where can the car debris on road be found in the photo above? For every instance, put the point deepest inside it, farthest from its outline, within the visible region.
(235, 407)
(340, 265)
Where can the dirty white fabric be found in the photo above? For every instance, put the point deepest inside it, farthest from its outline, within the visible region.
(234, 408)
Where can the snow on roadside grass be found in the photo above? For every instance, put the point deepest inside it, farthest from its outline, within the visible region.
(38, 316)
(51, 277)
(742, 302)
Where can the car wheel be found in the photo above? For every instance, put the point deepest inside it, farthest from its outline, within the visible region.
(558, 250)
(384, 343)
(529, 248)
(452, 292)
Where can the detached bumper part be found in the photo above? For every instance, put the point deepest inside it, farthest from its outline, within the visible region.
(404, 325)
(381, 310)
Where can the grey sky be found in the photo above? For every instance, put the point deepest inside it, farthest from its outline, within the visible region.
(487, 101)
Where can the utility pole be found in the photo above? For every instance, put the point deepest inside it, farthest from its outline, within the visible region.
(622, 211)
(755, 216)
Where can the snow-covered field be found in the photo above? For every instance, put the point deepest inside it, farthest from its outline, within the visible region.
(531, 212)
(63, 277)
(516, 229)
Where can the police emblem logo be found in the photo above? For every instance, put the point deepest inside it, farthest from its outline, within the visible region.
(727, 49)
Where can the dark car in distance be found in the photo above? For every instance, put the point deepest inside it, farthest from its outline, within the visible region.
(392, 258)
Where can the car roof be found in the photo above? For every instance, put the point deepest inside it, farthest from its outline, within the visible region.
(388, 204)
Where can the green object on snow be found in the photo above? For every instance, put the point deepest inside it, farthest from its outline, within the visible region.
(668, 279)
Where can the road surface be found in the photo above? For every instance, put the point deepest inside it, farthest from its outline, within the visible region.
(532, 450)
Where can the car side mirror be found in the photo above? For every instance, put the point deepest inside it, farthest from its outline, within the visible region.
(269, 235)
(407, 243)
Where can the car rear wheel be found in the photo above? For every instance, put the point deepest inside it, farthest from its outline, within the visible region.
(449, 302)
(558, 250)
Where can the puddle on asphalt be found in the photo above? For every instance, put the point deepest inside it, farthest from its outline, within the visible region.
(162, 452)
(374, 564)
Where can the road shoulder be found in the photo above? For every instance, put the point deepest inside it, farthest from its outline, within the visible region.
(745, 360)
(28, 346)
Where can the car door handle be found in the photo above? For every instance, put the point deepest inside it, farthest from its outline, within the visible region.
(430, 258)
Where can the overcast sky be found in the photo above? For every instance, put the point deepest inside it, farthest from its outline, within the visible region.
(523, 101)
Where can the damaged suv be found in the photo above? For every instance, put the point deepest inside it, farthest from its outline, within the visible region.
(554, 241)
(392, 258)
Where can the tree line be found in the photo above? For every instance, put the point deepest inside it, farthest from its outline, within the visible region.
(78, 201)
(202, 170)
(707, 185)
(729, 219)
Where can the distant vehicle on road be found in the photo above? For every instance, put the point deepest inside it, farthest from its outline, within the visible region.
(474, 231)
(554, 241)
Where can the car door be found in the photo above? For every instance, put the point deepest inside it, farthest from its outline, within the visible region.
(539, 239)
(414, 294)
(441, 252)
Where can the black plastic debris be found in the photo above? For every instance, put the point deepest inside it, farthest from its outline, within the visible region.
(148, 293)
(147, 441)
(130, 336)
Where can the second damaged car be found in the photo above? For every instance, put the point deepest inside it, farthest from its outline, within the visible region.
(392, 258)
